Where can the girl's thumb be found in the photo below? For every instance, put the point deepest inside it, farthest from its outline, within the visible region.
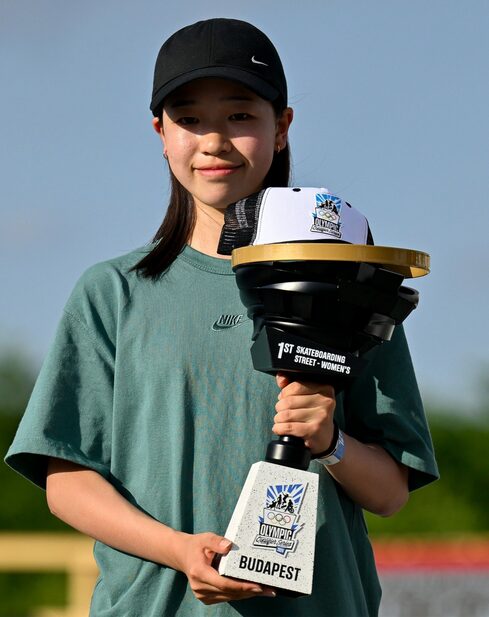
(219, 546)
(282, 380)
(222, 545)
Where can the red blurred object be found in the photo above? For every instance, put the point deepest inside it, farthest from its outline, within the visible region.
(467, 554)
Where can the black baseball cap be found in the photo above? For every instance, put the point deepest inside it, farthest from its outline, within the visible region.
(227, 48)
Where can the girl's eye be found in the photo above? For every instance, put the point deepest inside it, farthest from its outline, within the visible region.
(240, 116)
(187, 120)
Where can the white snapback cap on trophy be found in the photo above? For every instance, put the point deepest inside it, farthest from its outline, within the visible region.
(292, 214)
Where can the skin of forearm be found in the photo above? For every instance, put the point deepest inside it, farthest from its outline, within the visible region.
(83, 499)
(371, 477)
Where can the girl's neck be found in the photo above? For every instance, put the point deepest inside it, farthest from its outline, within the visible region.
(207, 230)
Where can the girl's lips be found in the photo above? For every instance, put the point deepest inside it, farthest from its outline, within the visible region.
(217, 170)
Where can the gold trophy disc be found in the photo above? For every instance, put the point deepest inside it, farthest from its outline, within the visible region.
(408, 262)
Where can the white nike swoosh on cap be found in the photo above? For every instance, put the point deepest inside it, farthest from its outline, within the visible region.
(257, 61)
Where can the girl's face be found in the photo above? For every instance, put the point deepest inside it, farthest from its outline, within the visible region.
(220, 139)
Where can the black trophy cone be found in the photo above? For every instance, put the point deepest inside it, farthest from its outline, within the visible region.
(320, 317)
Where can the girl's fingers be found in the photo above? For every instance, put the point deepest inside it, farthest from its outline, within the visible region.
(315, 439)
(299, 387)
(298, 429)
(305, 409)
(206, 583)
(303, 401)
(226, 598)
(309, 414)
(213, 581)
(232, 586)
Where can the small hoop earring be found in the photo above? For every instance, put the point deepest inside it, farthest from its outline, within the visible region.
(278, 149)
(165, 154)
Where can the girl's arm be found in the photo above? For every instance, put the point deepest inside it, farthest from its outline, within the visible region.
(86, 501)
(371, 477)
(367, 473)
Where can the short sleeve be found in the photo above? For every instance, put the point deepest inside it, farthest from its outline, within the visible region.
(69, 412)
(384, 406)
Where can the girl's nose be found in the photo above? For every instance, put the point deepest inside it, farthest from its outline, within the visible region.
(214, 143)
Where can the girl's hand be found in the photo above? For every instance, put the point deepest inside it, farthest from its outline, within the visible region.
(195, 554)
(305, 410)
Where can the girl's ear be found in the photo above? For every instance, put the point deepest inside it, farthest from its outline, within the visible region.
(283, 123)
(157, 125)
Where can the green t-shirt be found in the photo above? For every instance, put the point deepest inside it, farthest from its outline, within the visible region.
(151, 385)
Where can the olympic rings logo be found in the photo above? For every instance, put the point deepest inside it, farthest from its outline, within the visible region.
(279, 518)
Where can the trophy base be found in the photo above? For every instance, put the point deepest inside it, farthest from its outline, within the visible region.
(273, 529)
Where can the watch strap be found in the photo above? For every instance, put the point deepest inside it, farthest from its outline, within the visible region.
(336, 452)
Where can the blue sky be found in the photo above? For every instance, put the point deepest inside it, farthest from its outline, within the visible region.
(390, 103)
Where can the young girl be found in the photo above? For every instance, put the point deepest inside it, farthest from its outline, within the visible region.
(147, 413)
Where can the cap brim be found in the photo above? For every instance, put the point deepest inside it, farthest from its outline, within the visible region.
(250, 80)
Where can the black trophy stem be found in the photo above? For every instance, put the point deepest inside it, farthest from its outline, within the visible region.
(289, 451)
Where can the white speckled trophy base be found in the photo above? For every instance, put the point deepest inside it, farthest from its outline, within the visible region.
(273, 528)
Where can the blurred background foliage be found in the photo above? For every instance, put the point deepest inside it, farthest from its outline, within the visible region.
(456, 505)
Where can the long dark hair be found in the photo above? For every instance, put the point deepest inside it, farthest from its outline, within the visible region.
(179, 221)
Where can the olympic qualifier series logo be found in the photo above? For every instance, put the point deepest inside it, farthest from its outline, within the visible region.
(279, 524)
(327, 215)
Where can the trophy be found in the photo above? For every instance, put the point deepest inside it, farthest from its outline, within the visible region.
(320, 295)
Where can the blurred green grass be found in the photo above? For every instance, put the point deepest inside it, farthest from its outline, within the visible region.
(457, 503)
(21, 593)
